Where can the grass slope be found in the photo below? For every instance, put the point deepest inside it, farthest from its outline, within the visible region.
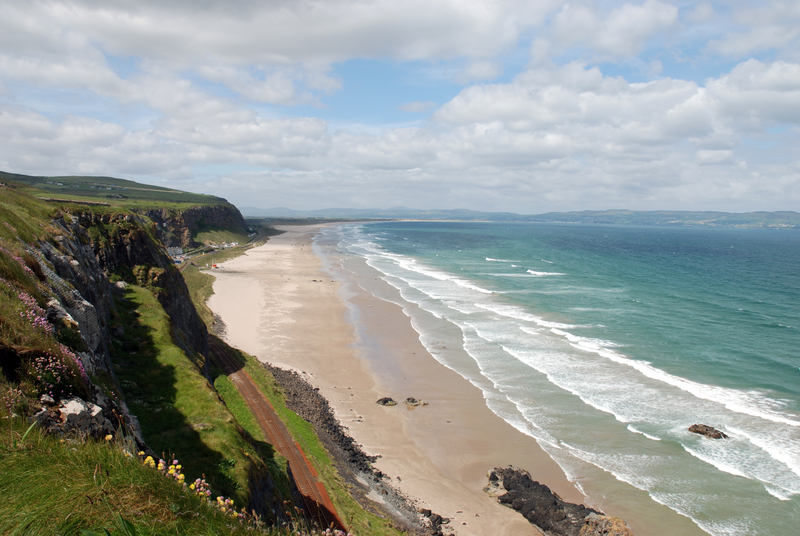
(181, 414)
(52, 486)
(115, 192)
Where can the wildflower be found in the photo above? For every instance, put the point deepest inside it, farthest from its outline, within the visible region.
(109, 437)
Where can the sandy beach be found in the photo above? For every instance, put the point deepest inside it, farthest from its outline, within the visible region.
(281, 304)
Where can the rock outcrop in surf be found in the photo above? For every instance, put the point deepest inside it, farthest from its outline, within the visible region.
(707, 431)
(516, 489)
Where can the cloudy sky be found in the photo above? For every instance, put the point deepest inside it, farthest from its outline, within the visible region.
(527, 106)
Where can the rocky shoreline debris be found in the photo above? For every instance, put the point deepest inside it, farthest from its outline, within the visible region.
(413, 402)
(543, 508)
(707, 431)
(355, 465)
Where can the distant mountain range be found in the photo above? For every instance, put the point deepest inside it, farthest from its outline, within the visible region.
(747, 220)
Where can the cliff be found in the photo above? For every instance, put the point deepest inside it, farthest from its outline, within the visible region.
(180, 226)
(61, 270)
(126, 244)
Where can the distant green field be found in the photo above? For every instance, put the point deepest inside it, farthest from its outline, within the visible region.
(116, 192)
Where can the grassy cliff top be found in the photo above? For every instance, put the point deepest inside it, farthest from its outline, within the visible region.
(110, 190)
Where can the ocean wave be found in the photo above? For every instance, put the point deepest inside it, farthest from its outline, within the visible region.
(518, 313)
(774, 449)
(645, 434)
(778, 493)
(467, 284)
(749, 403)
(498, 260)
(543, 274)
(509, 275)
(722, 466)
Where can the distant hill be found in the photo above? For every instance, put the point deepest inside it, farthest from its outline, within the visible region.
(117, 192)
(182, 218)
(748, 220)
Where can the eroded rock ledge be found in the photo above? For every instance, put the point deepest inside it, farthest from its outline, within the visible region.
(538, 504)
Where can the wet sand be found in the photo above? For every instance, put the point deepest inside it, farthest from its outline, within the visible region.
(280, 305)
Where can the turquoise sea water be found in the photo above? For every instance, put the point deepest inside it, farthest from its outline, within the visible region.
(606, 343)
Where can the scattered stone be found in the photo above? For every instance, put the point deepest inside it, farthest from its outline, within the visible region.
(75, 417)
(47, 400)
(386, 401)
(413, 402)
(707, 431)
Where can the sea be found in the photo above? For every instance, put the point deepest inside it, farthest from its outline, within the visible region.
(605, 343)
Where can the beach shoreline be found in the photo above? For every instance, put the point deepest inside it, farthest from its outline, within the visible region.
(288, 305)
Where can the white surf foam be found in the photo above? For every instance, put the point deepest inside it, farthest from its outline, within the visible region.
(645, 434)
(467, 284)
(519, 313)
(543, 274)
(750, 403)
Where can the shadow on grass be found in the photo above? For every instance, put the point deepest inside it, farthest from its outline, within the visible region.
(151, 392)
(148, 367)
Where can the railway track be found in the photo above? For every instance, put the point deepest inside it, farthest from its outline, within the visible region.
(316, 501)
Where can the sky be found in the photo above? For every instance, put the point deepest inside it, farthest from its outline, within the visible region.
(526, 106)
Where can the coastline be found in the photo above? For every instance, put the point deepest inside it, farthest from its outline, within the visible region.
(282, 305)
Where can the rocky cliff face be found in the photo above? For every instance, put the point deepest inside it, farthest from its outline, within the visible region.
(86, 247)
(176, 227)
(122, 241)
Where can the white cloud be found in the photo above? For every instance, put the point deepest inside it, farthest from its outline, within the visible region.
(298, 32)
(417, 106)
(207, 80)
(772, 25)
(479, 70)
(708, 157)
(622, 33)
(701, 13)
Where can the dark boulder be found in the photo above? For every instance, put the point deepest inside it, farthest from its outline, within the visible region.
(386, 401)
(707, 431)
(538, 504)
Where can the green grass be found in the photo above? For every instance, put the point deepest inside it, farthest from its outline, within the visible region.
(180, 411)
(22, 216)
(51, 486)
(200, 290)
(115, 192)
(218, 236)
